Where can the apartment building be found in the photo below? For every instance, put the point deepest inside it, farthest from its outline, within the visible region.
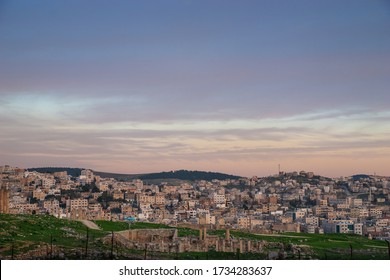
(244, 222)
(78, 203)
(342, 226)
(86, 176)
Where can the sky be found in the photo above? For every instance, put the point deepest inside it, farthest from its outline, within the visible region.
(227, 86)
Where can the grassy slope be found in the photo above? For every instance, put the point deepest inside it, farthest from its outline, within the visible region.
(28, 231)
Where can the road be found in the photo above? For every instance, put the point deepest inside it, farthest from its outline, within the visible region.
(90, 224)
(346, 190)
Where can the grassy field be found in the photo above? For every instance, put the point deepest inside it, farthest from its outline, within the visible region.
(327, 246)
(118, 226)
(20, 234)
(23, 233)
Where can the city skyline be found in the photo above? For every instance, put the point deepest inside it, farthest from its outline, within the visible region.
(228, 86)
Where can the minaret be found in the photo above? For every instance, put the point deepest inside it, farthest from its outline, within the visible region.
(369, 203)
(370, 196)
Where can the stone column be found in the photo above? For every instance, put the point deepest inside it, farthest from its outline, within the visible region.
(4, 200)
(241, 246)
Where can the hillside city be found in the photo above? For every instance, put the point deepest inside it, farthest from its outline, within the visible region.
(285, 202)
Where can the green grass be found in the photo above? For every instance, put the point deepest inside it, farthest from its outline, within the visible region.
(119, 226)
(37, 228)
(112, 226)
(26, 232)
(142, 225)
(328, 246)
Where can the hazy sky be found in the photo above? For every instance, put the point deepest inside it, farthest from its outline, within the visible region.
(229, 86)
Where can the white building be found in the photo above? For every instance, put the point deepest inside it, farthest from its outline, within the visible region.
(86, 176)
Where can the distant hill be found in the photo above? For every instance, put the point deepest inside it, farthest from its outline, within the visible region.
(75, 172)
(360, 176)
(188, 175)
(117, 176)
(185, 175)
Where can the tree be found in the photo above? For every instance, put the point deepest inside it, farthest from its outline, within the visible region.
(50, 196)
(104, 199)
(116, 210)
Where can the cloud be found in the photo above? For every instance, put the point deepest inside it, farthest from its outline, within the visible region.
(169, 90)
(199, 142)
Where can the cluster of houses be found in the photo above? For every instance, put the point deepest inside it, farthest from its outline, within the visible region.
(285, 202)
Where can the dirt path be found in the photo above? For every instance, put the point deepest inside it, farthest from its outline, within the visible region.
(373, 246)
(90, 224)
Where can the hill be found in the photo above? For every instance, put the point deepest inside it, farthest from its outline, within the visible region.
(360, 176)
(184, 175)
(187, 175)
(75, 172)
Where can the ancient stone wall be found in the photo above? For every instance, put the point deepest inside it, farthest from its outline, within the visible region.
(4, 200)
(167, 240)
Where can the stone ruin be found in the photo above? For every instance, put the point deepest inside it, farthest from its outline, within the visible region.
(167, 240)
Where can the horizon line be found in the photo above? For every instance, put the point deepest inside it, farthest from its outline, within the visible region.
(194, 170)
